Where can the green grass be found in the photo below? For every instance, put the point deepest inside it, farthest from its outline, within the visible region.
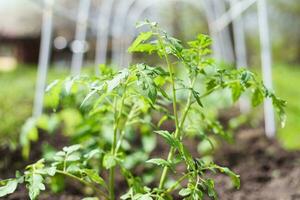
(286, 83)
(16, 99)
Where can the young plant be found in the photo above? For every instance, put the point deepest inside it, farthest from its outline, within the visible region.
(121, 104)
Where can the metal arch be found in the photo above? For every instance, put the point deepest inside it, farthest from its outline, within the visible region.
(44, 56)
(80, 36)
(141, 7)
(105, 12)
(240, 52)
(266, 61)
(120, 14)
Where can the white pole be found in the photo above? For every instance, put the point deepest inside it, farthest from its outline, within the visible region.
(224, 34)
(45, 46)
(120, 16)
(104, 17)
(266, 65)
(80, 36)
(240, 51)
(232, 13)
(210, 16)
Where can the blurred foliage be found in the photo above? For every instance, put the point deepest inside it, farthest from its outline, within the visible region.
(16, 96)
(286, 80)
(284, 23)
(16, 99)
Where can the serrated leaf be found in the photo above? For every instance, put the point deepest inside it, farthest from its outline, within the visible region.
(197, 97)
(52, 85)
(142, 37)
(71, 149)
(73, 157)
(35, 185)
(169, 138)
(90, 198)
(142, 197)
(149, 142)
(257, 97)
(51, 171)
(87, 97)
(117, 80)
(209, 183)
(109, 161)
(236, 91)
(28, 134)
(9, 187)
(234, 177)
(159, 162)
(94, 176)
(145, 75)
(185, 192)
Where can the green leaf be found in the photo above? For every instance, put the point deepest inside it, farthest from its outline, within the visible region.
(117, 80)
(197, 97)
(209, 183)
(145, 75)
(29, 133)
(88, 96)
(94, 176)
(90, 198)
(143, 197)
(9, 187)
(73, 157)
(149, 142)
(51, 171)
(52, 85)
(185, 192)
(142, 37)
(169, 138)
(72, 148)
(236, 90)
(35, 185)
(159, 162)
(257, 97)
(109, 161)
(234, 177)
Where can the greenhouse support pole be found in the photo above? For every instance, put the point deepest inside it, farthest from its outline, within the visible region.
(80, 36)
(266, 65)
(44, 55)
(105, 12)
(240, 52)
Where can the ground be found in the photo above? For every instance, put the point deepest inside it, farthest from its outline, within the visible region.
(267, 171)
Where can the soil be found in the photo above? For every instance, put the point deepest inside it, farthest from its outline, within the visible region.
(267, 171)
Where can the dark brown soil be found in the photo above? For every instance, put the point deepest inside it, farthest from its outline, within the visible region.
(267, 171)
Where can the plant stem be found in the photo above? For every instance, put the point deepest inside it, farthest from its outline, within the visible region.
(97, 190)
(111, 183)
(174, 102)
(177, 136)
(174, 186)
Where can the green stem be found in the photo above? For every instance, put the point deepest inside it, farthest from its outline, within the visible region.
(174, 101)
(174, 186)
(111, 180)
(177, 135)
(97, 190)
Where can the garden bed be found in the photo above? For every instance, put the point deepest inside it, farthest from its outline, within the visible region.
(267, 171)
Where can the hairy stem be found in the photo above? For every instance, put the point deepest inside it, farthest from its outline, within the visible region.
(177, 136)
(174, 102)
(112, 170)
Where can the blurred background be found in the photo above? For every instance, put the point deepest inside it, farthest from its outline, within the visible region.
(45, 40)
(104, 29)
